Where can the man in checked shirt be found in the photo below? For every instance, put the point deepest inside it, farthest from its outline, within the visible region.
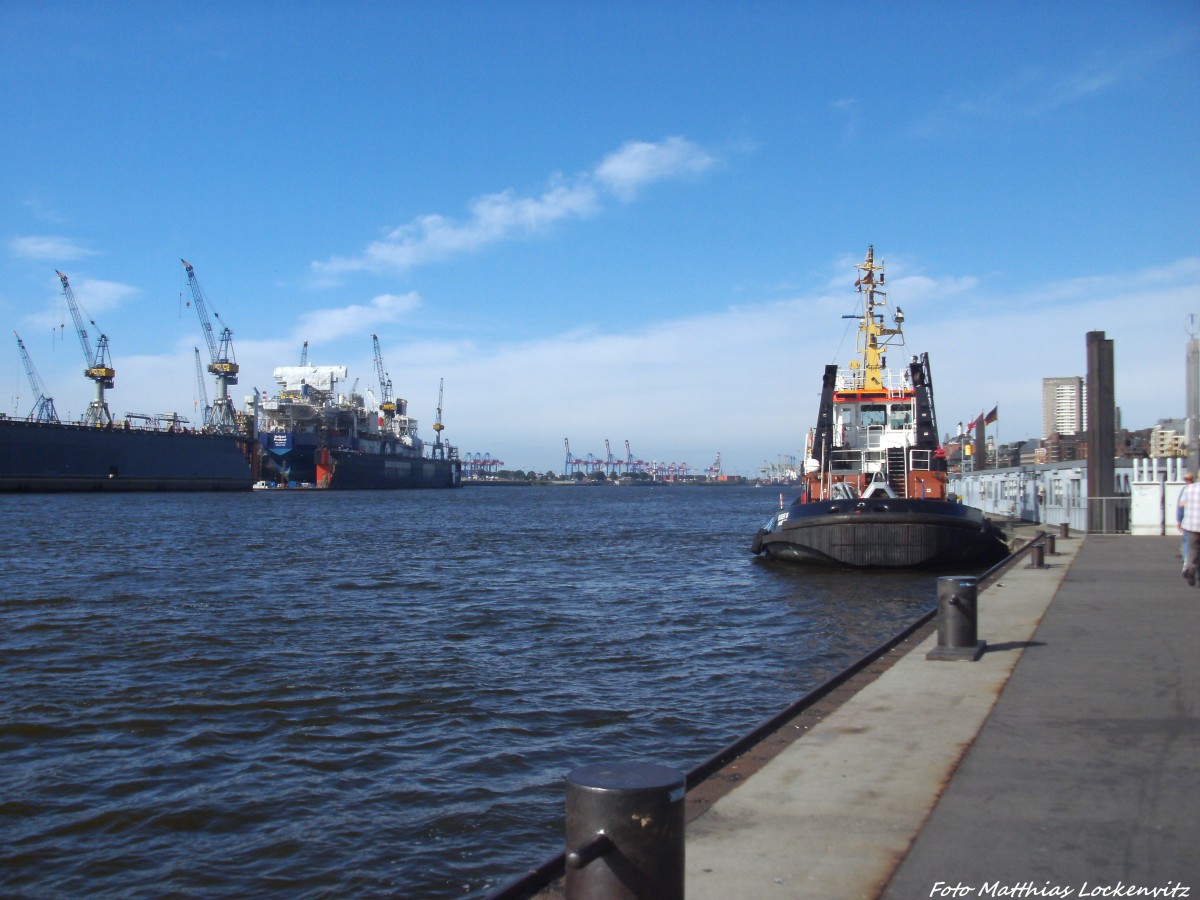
(1189, 524)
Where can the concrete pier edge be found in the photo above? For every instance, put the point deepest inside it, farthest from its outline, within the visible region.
(1071, 770)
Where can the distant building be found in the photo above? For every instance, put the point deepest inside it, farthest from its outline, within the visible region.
(1064, 406)
(1168, 438)
(1064, 447)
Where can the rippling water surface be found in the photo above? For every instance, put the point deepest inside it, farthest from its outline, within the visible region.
(378, 693)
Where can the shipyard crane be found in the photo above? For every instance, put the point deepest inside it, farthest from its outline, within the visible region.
(220, 416)
(438, 449)
(43, 406)
(205, 409)
(304, 355)
(387, 405)
(99, 366)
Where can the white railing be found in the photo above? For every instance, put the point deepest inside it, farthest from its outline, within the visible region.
(1050, 494)
(896, 383)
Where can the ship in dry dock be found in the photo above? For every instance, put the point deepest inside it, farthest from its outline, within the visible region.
(317, 432)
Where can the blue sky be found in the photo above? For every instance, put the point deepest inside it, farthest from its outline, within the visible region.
(633, 221)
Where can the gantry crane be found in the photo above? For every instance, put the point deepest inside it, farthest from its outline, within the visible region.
(99, 366)
(221, 416)
(205, 409)
(387, 403)
(43, 406)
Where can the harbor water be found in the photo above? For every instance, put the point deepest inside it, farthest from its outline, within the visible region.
(379, 693)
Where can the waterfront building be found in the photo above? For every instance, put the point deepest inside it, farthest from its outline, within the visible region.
(1168, 438)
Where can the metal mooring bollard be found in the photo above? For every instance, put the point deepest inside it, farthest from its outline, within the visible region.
(1064, 530)
(957, 621)
(1051, 547)
(1037, 556)
(625, 832)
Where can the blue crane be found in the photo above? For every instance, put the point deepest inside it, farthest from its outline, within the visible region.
(221, 417)
(43, 406)
(205, 409)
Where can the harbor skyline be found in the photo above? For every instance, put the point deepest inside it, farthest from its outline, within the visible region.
(625, 223)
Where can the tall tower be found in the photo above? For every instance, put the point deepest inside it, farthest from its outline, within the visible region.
(1192, 398)
(1064, 405)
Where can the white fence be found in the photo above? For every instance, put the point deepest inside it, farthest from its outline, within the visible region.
(1156, 486)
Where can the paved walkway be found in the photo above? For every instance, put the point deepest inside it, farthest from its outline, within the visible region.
(1067, 757)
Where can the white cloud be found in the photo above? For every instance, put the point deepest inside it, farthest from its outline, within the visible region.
(48, 247)
(325, 325)
(93, 296)
(1030, 93)
(638, 164)
(506, 215)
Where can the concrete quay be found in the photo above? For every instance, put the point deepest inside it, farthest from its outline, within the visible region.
(1065, 762)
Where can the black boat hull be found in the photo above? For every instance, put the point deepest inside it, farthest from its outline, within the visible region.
(354, 471)
(36, 456)
(887, 533)
(293, 459)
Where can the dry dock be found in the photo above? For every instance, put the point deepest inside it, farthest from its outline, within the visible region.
(1065, 761)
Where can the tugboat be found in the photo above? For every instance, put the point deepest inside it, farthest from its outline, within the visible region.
(874, 486)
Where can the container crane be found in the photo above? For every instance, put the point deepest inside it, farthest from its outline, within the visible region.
(387, 403)
(99, 366)
(205, 410)
(43, 406)
(220, 417)
(714, 471)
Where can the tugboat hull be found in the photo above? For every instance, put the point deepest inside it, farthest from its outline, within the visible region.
(888, 533)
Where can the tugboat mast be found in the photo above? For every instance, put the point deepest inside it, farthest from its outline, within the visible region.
(873, 337)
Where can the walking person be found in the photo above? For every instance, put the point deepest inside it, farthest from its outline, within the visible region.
(1189, 524)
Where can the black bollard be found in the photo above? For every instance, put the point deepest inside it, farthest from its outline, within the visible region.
(1064, 530)
(1051, 548)
(956, 621)
(1037, 556)
(625, 832)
